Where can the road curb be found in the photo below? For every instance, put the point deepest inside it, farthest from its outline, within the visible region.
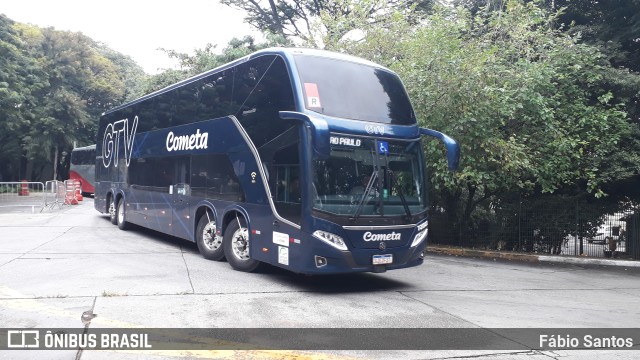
(457, 251)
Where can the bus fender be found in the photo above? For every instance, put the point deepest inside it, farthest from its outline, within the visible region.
(229, 216)
(114, 195)
(206, 204)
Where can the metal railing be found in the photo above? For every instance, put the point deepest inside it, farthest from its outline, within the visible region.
(37, 196)
(24, 194)
(55, 194)
(523, 228)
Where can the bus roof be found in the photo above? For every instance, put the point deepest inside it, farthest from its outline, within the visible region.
(84, 148)
(284, 52)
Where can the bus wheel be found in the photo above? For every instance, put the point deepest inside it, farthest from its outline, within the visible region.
(120, 215)
(236, 246)
(209, 244)
(112, 211)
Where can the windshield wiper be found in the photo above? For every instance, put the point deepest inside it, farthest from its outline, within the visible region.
(394, 181)
(372, 180)
(405, 204)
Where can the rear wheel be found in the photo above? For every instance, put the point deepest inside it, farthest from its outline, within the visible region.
(112, 211)
(236, 246)
(209, 243)
(120, 215)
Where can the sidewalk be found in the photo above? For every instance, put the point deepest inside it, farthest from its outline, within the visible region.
(458, 251)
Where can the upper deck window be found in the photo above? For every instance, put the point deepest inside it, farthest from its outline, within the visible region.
(353, 91)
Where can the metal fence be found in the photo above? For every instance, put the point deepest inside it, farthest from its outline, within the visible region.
(565, 229)
(32, 196)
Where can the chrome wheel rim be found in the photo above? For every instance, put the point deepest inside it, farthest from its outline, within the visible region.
(240, 244)
(209, 238)
(112, 210)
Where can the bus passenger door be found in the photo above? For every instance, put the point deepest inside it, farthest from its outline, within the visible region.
(182, 222)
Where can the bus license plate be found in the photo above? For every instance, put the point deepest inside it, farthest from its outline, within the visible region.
(382, 259)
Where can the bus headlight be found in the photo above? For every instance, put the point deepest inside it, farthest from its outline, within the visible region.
(419, 237)
(331, 239)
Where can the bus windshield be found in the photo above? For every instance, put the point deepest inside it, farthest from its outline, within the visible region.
(353, 91)
(368, 177)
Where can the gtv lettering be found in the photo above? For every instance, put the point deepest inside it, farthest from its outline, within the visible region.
(374, 129)
(111, 141)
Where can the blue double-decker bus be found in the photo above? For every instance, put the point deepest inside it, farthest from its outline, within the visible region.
(304, 159)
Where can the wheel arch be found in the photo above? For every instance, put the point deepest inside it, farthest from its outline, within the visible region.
(111, 197)
(201, 209)
(230, 215)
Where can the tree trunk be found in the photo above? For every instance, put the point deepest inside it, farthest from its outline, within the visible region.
(55, 163)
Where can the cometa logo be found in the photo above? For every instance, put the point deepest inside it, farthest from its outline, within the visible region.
(187, 142)
(368, 236)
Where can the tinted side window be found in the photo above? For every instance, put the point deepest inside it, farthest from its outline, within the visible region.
(185, 104)
(83, 157)
(162, 111)
(263, 89)
(214, 94)
(155, 174)
(212, 177)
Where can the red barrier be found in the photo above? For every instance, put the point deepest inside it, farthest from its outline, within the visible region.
(24, 189)
(78, 190)
(70, 193)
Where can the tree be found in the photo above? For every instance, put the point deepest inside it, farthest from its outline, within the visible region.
(522, 97)
(320, 23)
(206, 59)
(613, 25)
(55, 84)
(129, 72)
(82, 84)
(20, 77)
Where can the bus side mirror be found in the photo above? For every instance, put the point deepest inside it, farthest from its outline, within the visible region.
(453, 149)
(319, 129)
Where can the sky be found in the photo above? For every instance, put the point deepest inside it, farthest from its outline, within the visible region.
(138, 27)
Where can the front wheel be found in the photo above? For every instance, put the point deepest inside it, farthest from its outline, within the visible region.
(236, 246)
(209, 243)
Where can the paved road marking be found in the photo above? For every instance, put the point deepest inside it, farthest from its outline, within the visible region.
(12, 299)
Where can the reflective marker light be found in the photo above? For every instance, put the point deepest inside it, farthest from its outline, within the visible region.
(419, 237)
(331, 239)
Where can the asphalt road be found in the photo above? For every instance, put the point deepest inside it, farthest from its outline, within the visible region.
(58, 265)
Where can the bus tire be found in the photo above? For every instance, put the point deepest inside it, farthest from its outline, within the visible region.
(236, 247)
(209, 244)
(112, 211)
(121, 215)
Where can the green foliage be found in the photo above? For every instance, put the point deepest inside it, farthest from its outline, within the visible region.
(321, 23)
(206, 59)
(128, 71)
(53, 87)
(612, 25)
(525, 100)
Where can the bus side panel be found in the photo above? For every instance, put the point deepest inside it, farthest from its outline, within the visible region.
(158, 193)
(149, 208)
(85, 174)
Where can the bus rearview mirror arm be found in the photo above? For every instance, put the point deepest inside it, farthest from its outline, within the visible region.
(453, 149)
(319, 127)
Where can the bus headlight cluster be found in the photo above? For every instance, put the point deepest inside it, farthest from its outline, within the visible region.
(419, 237)
(331, 239)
